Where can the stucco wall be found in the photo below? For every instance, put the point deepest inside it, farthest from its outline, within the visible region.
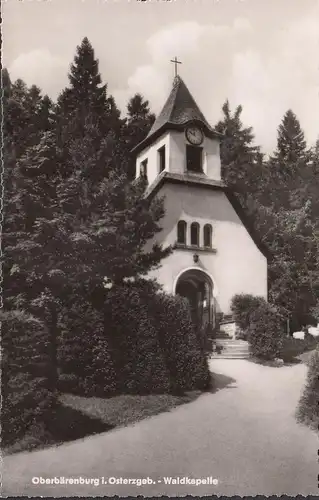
(211, 157)
(238, 266)
(175, 149)
(151, 154)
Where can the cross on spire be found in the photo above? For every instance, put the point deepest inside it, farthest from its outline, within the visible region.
(176, 62)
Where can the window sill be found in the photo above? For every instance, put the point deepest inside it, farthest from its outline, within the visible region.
(195, 172)
(194, 248)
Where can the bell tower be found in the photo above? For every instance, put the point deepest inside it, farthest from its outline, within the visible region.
(181, 141)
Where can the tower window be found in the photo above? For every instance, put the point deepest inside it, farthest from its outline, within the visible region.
(181, 232)
(208, 235)
(194, 160)
(195, 233)
(143, 169)
(161, 159)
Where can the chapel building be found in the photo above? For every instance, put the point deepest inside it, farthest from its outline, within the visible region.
(216, 254)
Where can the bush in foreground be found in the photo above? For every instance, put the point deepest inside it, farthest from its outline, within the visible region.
(27, 397)
(134, 345)
(265, 332)
(85, 364)
(181, 344)
(153, 344)
(308, 408)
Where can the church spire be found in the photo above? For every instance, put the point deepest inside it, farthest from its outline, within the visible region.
(179, 109)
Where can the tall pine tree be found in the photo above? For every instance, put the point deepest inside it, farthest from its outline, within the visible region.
(83, 106)
(241, 160)
(139, 122)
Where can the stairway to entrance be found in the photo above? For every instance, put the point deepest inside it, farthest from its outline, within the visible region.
(228, 348)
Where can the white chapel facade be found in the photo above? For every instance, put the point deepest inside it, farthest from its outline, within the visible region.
(216, 255)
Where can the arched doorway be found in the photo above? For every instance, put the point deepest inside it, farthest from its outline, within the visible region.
(197, 287)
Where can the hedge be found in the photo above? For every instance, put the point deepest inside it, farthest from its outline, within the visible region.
(84, 357)
(140, 341)
(152, 341)
(182, 346)
(265, 332)
(27, 397)
(134, 345)
(308, 407)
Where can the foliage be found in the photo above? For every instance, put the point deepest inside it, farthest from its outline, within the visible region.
(156, 348)
(291, 144)
(134, 344)
(241, 161)
(308, 408)
(85, 364)
(139, 122)
(294, 347)
(182, 347)
(26, 393)
(265, 332)
(243, 306)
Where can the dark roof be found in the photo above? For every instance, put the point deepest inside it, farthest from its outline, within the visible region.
(179, 109)
(200, 181)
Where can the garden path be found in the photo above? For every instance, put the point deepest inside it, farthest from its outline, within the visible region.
(244, 434)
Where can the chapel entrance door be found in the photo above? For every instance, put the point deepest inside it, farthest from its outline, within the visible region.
(197, 288)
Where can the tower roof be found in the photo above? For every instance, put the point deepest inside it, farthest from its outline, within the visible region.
(179, 109)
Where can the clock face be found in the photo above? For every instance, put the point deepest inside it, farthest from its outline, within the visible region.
(194, 135)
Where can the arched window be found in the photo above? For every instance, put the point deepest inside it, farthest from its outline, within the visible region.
(208, 235)
(195, 233)
(181, 232)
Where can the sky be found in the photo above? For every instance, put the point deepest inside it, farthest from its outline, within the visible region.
(262, 54)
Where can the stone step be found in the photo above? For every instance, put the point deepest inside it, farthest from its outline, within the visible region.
(230, 356)
(231, 342)
(234, 347)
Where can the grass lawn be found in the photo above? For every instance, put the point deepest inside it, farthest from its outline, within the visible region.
(126, 409)
(76, 417)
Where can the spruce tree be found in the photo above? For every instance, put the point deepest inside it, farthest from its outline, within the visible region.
(139, 122)
(241, 160)
(291, 144)
(85, 105)
(289, 165)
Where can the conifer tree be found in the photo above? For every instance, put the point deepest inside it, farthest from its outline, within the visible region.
(289, 165)
(139, 122)
(241, 160)
(291, 144)
(85, 105)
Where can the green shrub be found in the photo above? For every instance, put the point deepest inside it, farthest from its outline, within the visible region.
(183, 347)
(142, 341)
(294, 347)
(27, 398)
(308, 408)
(84, 358)
(242, 307)
(152, 341)
(265, 332)
(134, 345)
(69, 382)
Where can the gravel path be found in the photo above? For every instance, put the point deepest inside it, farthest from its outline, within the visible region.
(244, 435)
